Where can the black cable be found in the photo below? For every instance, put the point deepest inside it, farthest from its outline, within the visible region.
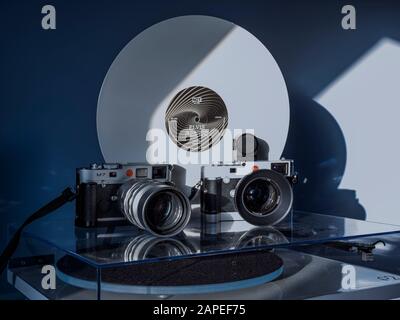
(66, 196)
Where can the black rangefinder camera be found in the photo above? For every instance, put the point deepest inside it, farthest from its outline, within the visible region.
(140, 194)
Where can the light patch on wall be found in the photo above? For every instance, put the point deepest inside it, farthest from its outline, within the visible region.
(365, 101)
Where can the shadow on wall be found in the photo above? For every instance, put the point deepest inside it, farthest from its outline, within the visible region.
(316, 143)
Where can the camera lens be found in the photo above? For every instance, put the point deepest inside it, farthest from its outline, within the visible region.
(157, 207)
(260, 196)
(263, 197)
(247, 145)
(163, 211)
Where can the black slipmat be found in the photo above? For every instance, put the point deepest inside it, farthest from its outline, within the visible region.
(180, 272)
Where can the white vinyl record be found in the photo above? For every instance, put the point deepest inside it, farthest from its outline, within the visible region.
(184, 52)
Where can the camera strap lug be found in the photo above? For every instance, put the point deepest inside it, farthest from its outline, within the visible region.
(195, 189)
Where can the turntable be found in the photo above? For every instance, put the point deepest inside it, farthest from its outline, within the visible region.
(241, 262)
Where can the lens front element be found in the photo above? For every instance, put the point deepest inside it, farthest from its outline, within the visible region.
(261, 196)
(164, 211)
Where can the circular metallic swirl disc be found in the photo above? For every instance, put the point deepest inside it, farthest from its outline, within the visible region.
(196, 118)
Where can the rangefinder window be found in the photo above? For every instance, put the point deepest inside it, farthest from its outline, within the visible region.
(282, 168)
(141, 172)
(159, 172)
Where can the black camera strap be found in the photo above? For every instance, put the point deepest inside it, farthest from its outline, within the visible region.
(66, 196)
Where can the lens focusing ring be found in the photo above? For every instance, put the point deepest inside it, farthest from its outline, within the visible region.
(136, 196)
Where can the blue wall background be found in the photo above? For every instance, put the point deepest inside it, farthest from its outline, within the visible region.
(50, 80)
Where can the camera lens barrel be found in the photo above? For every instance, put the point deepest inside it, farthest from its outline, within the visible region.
(264, 197)
(157, 207)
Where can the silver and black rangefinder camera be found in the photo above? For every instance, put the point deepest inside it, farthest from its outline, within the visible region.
(260, 191)
(140, 194)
